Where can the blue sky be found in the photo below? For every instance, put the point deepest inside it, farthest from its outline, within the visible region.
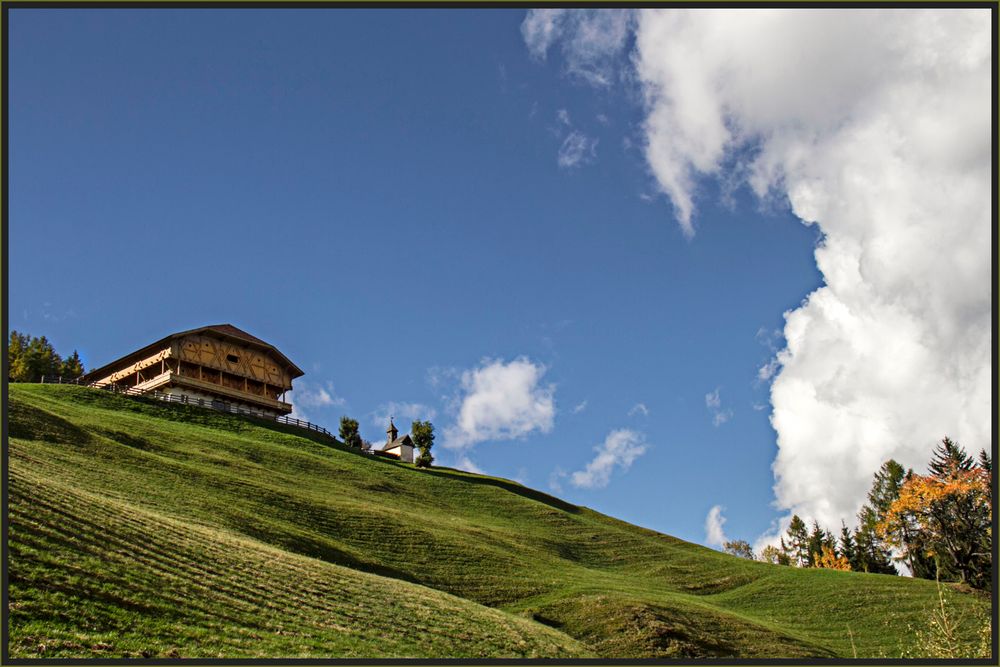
(380, 195)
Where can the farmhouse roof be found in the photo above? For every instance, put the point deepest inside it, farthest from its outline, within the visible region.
(220, 330)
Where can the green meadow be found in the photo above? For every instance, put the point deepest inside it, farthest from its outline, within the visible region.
(142, 529)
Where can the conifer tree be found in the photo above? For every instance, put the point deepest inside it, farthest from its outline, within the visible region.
(872, 555)
(949, 458)
(875, 554)
(72, 367)
(985, 462)
(30, 358)
(798, 541)
(947, 515)
(848, 547)
(349, 432)
(818, 540)
(885, 487)
(17, 348)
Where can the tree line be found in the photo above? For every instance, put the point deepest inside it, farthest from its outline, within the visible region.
(938, 524)
(30, 358)
(421, 432)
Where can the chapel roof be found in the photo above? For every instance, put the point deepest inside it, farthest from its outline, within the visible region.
(404, 439)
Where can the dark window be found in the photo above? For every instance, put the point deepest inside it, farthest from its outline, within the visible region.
(232, 358)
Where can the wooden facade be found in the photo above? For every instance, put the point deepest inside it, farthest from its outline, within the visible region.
(214, 363)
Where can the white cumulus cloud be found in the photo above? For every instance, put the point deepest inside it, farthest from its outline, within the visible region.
(875, 126)
(714, 535)
(619, 450)
(502, 401)
(307, 396)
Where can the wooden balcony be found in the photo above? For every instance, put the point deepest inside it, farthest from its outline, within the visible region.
(171, 378)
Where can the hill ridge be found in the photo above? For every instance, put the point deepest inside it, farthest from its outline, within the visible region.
(576, 582)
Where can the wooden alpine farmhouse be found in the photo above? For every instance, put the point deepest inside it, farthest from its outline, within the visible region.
(214, 364)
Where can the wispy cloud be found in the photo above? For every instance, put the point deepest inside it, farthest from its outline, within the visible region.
(465, 463)
(501, 401)
(403, 412)
(767, 371)
(577, 149)
(555, 479)
(712, 399)
(589, 38)
(439, 377)
(579, 407)
(639, 409)
(714, 404)
(619, 450)
(714, 534)
(771, 339)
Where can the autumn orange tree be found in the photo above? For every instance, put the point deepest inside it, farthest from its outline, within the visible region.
(947, 514)
(829, 559)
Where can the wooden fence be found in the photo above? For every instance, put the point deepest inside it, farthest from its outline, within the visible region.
(221, 406)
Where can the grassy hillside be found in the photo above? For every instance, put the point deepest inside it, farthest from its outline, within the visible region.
(145, 529)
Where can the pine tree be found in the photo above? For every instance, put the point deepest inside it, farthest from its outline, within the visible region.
(885, 487)
(948, 514)
(848, 547)
(30, 358)
(872, 556)
(786, 550)
(72, 367)
(798, 541)
(17, 362)
(818, 539)
(985, 462)
(349, 432)
(949, 458)
(42, 360)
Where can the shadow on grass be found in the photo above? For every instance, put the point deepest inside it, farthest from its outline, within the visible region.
(315, 548)
(31, 423)
(511, 487)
